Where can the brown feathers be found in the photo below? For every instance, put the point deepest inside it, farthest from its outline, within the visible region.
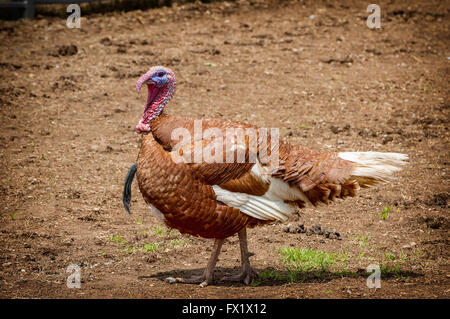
(321, 176)
(186, 203)
(248, 184)
(183, 190)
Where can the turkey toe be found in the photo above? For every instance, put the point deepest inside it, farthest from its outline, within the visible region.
(246, 276)
(202, 280)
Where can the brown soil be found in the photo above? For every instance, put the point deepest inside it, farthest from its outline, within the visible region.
(313, 69)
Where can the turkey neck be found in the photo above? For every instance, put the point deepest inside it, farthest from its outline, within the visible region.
(162, 127)
(157, 102)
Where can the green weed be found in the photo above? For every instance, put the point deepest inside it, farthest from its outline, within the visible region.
(150, 247)
(157, 230)
(385, 213)
(117, 239)
(305, 260)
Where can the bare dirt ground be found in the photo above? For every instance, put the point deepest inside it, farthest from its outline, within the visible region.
(314, 69)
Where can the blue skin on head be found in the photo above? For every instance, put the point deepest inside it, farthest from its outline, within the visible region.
(160, 78)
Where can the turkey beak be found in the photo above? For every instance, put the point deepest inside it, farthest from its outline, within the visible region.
(146, 78)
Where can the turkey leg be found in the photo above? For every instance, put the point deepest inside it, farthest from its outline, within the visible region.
(247, 273)
(208, 276)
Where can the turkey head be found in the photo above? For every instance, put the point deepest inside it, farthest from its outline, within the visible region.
(161, 87)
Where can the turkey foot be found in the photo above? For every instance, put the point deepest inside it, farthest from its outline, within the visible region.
(247, 273)
(202, 280)
(208, 276)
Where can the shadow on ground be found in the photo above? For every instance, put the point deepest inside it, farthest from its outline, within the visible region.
(274, 277)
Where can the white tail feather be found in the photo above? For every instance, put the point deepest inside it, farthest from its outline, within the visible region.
(380, 166)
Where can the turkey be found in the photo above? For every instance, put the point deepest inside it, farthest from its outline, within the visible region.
(239, 180)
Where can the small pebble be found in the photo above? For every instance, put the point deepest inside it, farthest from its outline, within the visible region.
(301, 229)
(287, 228)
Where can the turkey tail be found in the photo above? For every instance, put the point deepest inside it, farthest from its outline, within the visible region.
(126, 198)
(374, 167)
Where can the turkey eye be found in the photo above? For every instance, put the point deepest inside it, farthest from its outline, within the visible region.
(160, 74)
